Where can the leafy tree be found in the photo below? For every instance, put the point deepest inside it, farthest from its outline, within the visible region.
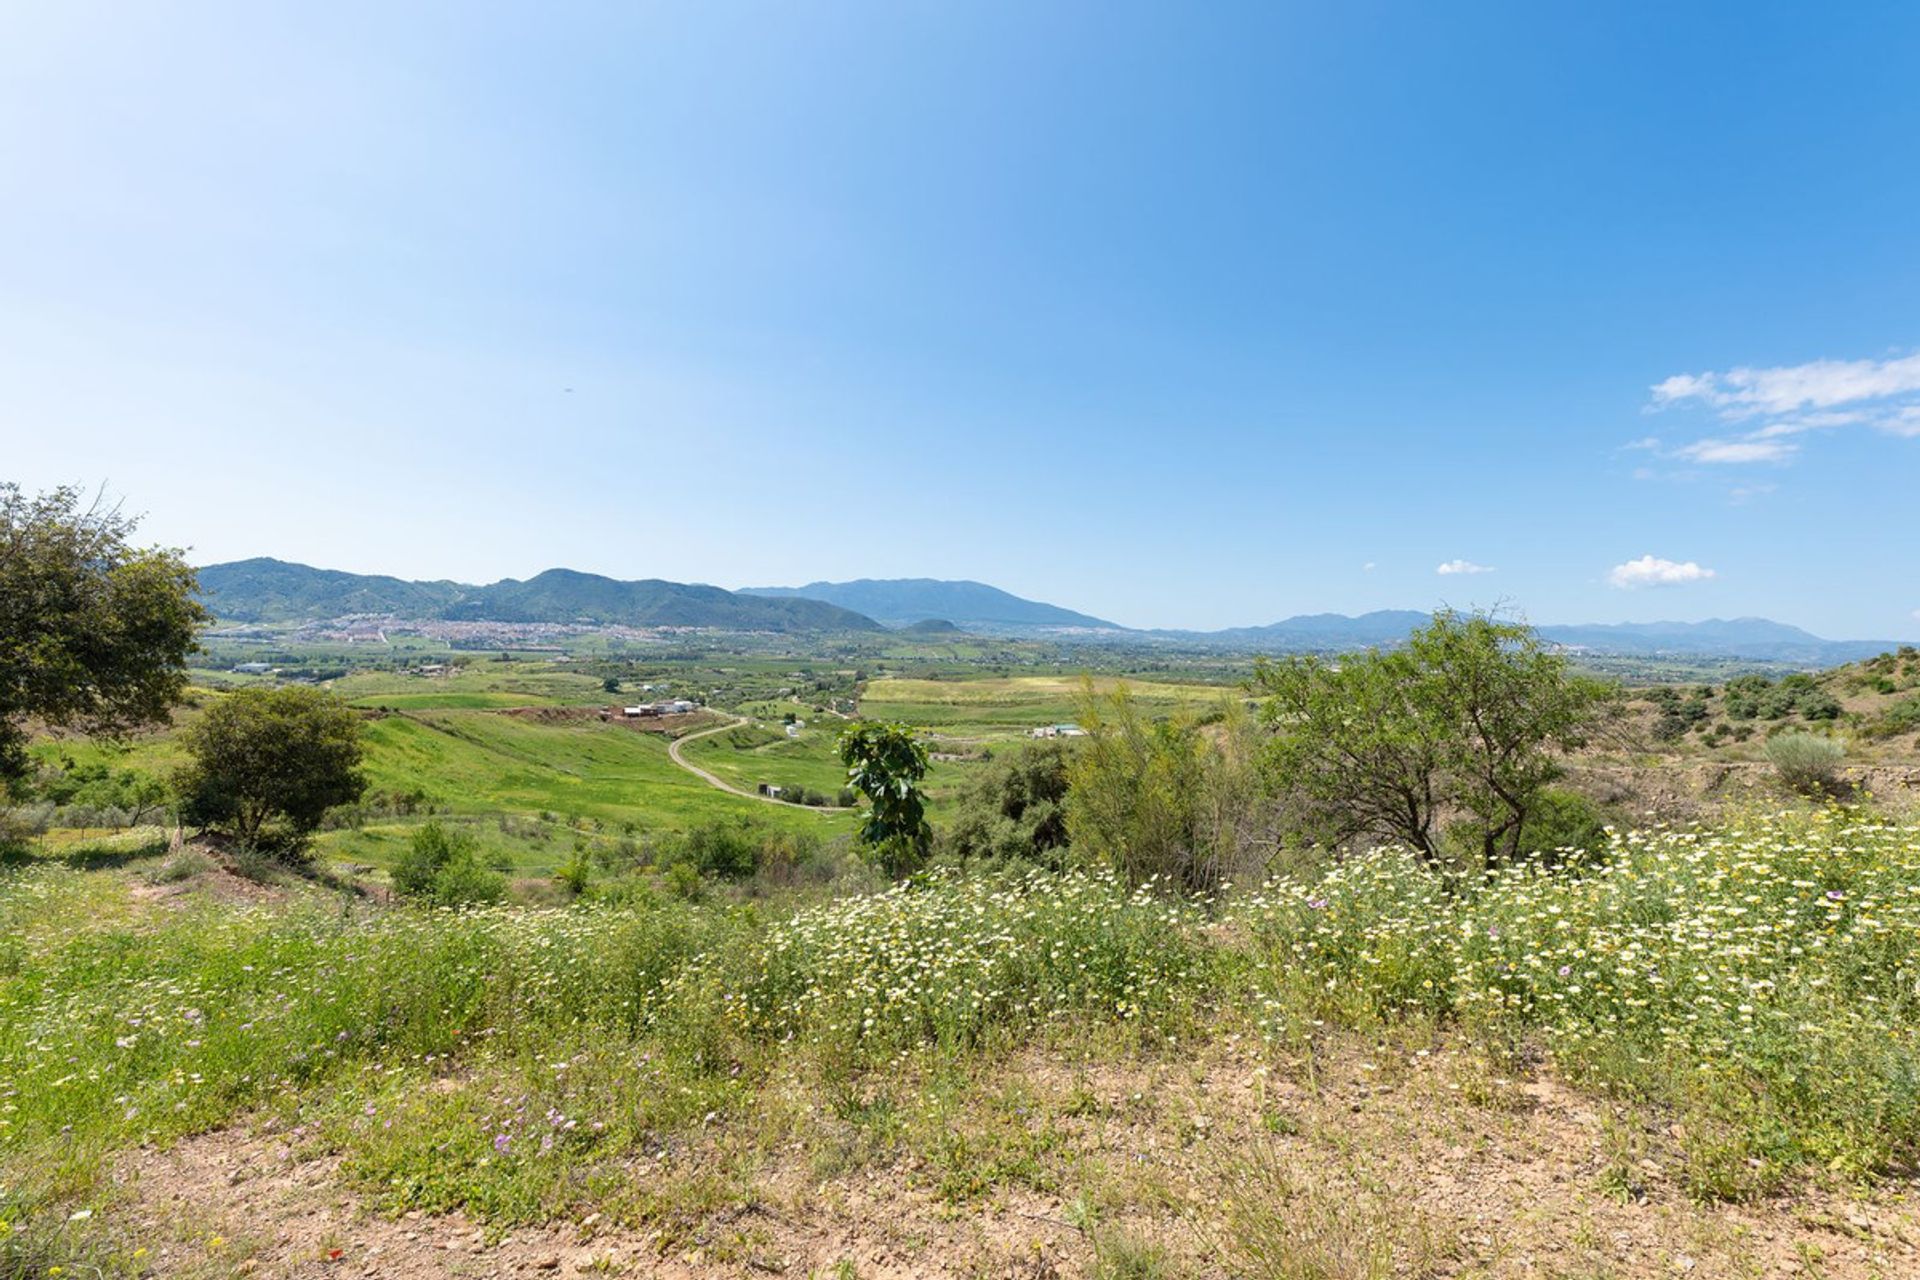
(268, 763)
(1470, 717)
(886, 763)
(611, 684)
(1559, 820)
(1015, 809)
(94, 633)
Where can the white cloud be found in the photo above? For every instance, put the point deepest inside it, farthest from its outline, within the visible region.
(1462, 566)
(1790, 400)
(1368, 567)
(1819, 384)
(1652, 571)
(1746, 450)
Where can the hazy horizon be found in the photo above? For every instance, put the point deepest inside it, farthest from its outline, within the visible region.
(1179, 318)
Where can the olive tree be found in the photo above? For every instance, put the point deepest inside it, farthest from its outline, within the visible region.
(94, 632)
(266, 764)
(1470, 719)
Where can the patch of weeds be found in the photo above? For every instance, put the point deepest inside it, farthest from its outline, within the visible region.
(1276, 1121)
(1480, 1081)
(978, 1143)
(1722, 1162)
(1622, 1178)
(1279, 1225)
(188, 864)
(868, 1126)
(1120, 1256)
(260, 866)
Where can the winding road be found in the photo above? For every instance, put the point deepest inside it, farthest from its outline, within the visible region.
(673, 753)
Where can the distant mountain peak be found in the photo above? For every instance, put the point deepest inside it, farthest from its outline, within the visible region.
(970, 605)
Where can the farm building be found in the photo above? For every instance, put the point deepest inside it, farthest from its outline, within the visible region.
(677, 707)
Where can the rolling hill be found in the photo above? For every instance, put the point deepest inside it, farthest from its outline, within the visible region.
(267, 590)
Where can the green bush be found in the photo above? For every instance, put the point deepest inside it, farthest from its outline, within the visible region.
(1165, 801)
(464, 882)
(1806, 762)
(1014, 811)
(442, 865)
(728, 848)
(1899, 717)
(576, 873)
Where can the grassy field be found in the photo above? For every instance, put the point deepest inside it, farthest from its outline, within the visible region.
(1008, 706)
(1184, 1086)
(480, 762)
(440, 743)
(753, 754)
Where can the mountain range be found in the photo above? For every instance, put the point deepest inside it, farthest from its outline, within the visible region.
(972, 606)
(266, 590)
(1752, 639)
(273, 591)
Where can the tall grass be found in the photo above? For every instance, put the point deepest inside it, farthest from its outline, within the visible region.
(143, 1030)
(1763, 980)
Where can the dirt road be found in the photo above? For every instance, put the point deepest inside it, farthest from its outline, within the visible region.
(673, 752)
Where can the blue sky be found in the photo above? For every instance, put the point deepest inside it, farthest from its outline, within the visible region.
(1181, 315)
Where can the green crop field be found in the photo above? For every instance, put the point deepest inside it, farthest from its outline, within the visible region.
(1005, 706)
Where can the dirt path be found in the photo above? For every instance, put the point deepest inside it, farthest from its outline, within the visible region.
(673, 752)
(1375, 1163)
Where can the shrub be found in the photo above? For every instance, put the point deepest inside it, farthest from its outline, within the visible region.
(184, 865)
(1162, 801)
(1899, 717)
(1806, 762)
(576, 873)
(443, 866)
(464, 882)
(1016, 809)
(726, 847)
(886, 763)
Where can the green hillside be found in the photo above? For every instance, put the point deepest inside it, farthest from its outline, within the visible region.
(275, 591)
